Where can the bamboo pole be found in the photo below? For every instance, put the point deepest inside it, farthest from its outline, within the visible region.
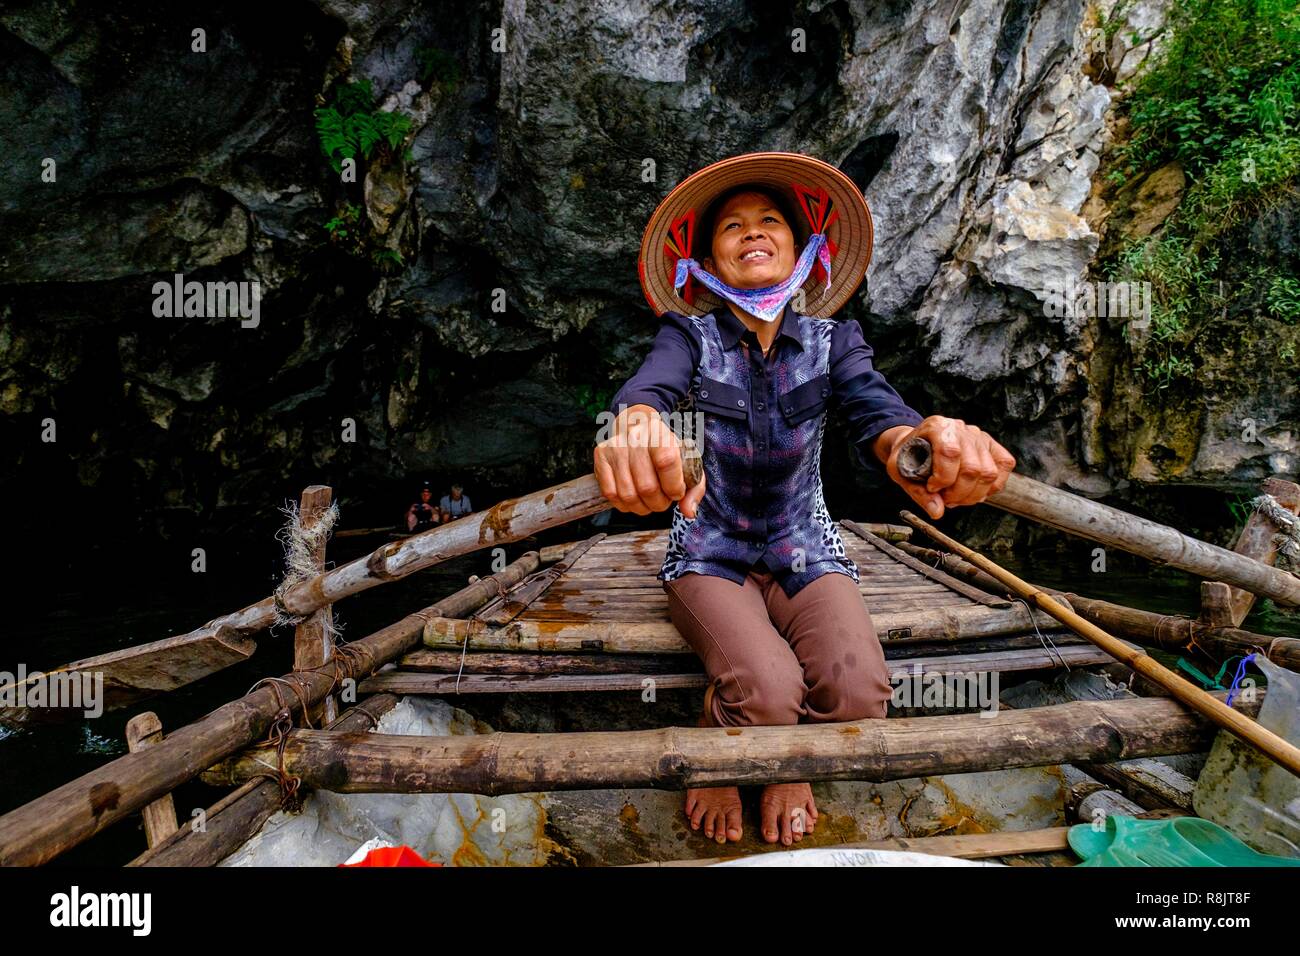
(503, 523)
(1097, 522)
(1133, 773)
(1269, 743)
(662, 637)
(675, 758)
(40, 830)
(1167, 631)
(955, 565)
(1176, 633)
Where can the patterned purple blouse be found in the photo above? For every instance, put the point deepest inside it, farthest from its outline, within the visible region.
(763, 425)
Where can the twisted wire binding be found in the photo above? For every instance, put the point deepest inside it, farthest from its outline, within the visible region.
(278, 737)
(1043, 639)
(464, 647)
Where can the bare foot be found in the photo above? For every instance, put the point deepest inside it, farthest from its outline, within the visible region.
(787, 812)
(717, 809)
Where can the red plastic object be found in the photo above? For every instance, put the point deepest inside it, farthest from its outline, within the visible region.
(392, 856)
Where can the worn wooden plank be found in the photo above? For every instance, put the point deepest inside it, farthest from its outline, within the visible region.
(620, 614)
(1216, 604)
(404, 682)
(514, 602)
(596, 581)
(137, 673)
(645, 595)
(415, 682)
(144, 731)
(657, 603)
(1147, 782)
(519, 662)
(501, 662)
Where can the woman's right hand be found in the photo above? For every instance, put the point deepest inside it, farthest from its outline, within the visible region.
(639, 466)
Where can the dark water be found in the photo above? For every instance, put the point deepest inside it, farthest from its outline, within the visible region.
(98, 602)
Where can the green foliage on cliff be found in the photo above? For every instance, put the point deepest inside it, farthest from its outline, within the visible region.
(1227, 82)
(351, 126)
(1224, 102)
(1284, 298)
(438, 68)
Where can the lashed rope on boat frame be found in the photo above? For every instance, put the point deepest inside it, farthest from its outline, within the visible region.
(1287, 539)
(300, 547)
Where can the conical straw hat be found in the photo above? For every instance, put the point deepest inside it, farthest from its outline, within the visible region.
(820, 195)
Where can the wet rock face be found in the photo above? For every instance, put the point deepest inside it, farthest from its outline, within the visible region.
(487, 302)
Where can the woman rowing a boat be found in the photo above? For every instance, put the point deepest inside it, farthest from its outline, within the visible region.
(747, 261)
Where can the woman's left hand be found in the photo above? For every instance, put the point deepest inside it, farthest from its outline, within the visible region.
(969, 465)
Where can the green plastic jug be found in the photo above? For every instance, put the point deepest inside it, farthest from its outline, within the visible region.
(1179, 841)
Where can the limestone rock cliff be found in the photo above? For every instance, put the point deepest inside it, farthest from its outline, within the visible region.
(486, 301)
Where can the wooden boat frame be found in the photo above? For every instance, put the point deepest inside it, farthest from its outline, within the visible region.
(589, 616)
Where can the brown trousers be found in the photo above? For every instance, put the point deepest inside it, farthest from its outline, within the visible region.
(772, 659)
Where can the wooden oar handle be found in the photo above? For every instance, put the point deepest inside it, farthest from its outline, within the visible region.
(692, 463)
(915, 459)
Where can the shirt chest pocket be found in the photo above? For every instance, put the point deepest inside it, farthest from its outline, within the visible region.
(719, 398)
(806, 401)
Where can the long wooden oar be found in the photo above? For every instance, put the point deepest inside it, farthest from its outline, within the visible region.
(1089, 519)
(1285, 753)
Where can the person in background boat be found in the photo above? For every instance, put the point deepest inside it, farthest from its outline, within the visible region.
(424, 513)
(758, 580)
(455, 505)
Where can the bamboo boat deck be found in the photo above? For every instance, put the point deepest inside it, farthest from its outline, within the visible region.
(615, 581)
(598, 620)
(591, 616)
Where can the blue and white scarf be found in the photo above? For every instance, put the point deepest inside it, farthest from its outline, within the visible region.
(767, 304)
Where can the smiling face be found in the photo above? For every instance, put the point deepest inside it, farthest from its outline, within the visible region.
(753, 245)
